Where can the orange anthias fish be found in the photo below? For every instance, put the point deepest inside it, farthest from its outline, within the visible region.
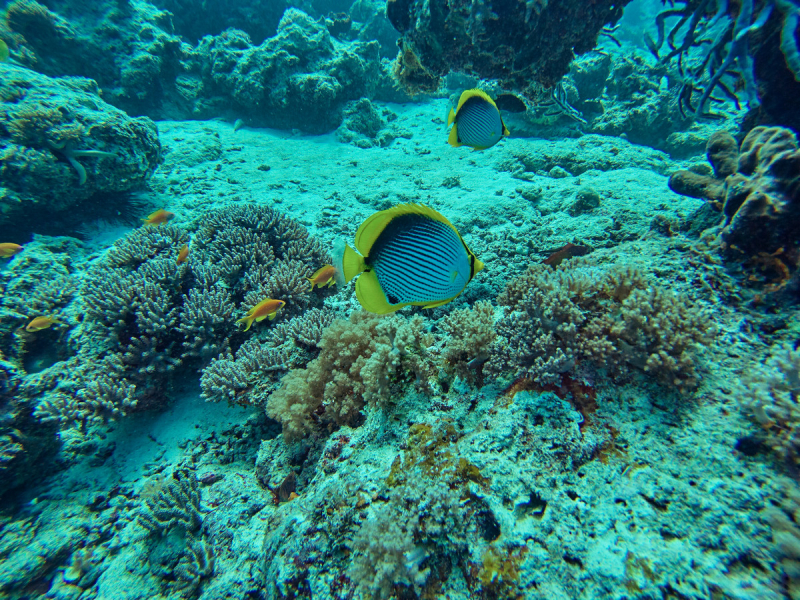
(159, 217)
(565, 252)
(323, 276)
(183, 254)
(7, 249)
(40, 323)
(265, 309)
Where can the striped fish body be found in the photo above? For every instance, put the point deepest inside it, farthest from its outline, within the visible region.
(407, 255)
(476, 122)
(419, 261)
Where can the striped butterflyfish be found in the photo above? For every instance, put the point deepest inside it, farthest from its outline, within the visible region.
(476, 121)
(407, 255)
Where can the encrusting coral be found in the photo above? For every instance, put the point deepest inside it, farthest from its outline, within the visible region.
(757, 186)
(615, 318)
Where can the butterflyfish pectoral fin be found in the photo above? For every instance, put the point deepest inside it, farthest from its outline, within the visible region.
(352, 263)
(453, 138)
(371, 296)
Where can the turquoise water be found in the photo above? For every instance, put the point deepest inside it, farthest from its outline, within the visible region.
(289, 310)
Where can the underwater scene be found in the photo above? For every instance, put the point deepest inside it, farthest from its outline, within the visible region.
(400, 299)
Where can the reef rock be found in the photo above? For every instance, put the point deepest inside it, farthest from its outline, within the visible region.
(62, 144)
(521, 44)
(300, 78)
(762, 199)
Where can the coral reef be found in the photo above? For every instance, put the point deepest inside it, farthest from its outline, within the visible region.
(144, 315)
(296, 79)
(62, 144)
(762, 200)
(358, 364)
(520, 44)
(125, 47)
(770, 393)
(757, 187)
(365, 127)
(614, 318)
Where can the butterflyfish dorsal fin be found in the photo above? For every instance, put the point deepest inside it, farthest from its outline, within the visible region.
(467, 94)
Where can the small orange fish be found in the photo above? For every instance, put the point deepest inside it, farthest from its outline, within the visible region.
(183, 253)
(7, 249)
(265, 309)
(40, 323)
(565, 252)
(159, 217)
(323, 276)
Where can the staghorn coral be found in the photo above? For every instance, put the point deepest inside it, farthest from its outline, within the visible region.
(307, 329)
(613, 317)
(770, 392)
(253, 374)
(258, 253)
(95, 392)
(358, 360)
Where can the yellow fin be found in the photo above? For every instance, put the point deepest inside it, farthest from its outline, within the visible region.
(451, 116)
(247, 320)
(506, 132)
(371, 295)
(272, 315)
(453, 138)
(467, 94)
(352, 263)
(442, 302)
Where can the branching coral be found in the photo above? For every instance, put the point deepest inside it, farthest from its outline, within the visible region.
(614, 318)
(770, 392)
(358, 361)
(470, 334)
(173, 504)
